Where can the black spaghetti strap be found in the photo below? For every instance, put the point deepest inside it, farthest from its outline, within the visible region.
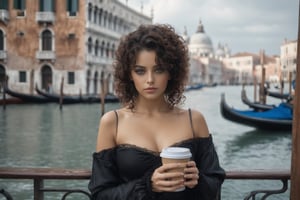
(191, 121)
(117, 121)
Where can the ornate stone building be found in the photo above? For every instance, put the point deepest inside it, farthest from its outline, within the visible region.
(45, 42)
(205, 64)
(288, 57)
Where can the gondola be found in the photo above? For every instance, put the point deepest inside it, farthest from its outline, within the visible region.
(255, 105)
(278, 118)
(197, 86)
(279, 95)
(26, 98)
(72, 99)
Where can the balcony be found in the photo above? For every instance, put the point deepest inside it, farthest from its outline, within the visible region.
(45, 55)
(39, 175)
(45, 17)
(95, 28)
(4, 16)
(3, 55)
(92, 59)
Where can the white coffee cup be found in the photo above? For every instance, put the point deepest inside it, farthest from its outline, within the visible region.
(176, 155)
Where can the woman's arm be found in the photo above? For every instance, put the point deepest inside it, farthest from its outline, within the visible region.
(211, 175)
(105, 182)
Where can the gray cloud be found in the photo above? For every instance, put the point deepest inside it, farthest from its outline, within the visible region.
(243, 25)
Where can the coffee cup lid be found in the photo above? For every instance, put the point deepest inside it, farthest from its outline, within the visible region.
(176, 153)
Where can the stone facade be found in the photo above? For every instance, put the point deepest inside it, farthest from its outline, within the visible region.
(45, 43)
(288, 57)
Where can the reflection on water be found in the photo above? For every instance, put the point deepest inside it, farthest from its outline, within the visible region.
(256, 137)
(45, 136)
(259, 149)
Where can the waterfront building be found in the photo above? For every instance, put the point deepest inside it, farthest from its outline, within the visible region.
(205, 65)
(245, 67)
(50, 42)
(288, 56)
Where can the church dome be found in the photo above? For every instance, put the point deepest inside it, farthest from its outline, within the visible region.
(200, 44)
(220, 52)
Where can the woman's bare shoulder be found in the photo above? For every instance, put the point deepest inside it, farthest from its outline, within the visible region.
(107, 131)
(199, 124)
(108, 118)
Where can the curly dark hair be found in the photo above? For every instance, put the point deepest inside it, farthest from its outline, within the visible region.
(171, 52)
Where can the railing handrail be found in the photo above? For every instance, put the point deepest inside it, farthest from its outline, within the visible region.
(38, 175)
(44, 173)
(62, 173)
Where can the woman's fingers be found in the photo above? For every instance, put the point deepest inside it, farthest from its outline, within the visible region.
(191, 175)
(168, 178)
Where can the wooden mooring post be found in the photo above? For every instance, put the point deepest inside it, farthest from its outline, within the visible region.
(295, 163)
(61, 97)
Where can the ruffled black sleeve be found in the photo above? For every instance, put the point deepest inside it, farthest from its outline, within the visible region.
(211, 175)
(105, 182)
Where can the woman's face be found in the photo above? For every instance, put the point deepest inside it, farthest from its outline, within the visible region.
(150, 79)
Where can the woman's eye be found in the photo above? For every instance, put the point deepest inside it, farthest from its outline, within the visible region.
(139, 71)
(160, 70)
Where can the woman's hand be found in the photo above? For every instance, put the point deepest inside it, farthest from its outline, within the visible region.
(167, 179)
(191, 174)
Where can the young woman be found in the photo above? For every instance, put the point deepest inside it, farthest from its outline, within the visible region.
(151, 70)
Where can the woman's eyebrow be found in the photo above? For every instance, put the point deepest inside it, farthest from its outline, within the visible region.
(141, 66)
(138, 66)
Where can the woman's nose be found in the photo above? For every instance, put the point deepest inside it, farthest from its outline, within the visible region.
(150, 78)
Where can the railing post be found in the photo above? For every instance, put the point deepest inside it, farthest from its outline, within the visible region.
(38, 184)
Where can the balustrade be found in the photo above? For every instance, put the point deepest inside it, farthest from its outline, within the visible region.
(39, 175)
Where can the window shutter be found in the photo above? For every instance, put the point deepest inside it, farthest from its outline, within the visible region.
(22, 4)
(4, 4)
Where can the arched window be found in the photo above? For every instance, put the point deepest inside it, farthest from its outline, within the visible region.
(96, 82)
(96, 47)
(115, 23)
(107, 50)
(102, 48)
(104, 18)
(2, 74)
(46, 40)
(1, 40)
(88, 77)
(90, 44)
(46, 77)
(113, 51)
(110, 19)
(90, 12)
(100, 16)
(95, 15)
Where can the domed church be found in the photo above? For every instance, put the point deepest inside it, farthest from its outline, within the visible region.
(200, 43)
(205, 64)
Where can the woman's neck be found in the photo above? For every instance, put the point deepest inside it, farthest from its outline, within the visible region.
(150, 107)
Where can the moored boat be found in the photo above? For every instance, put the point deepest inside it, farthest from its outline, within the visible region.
(255, 105)
(72, 99)
(197, 86)
(279, 95)
(26, 98)
(278, 118)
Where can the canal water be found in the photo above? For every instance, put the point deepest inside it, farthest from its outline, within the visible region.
(45, 136)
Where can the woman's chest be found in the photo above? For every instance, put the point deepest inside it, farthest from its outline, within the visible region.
(135, 161)
(153, 134)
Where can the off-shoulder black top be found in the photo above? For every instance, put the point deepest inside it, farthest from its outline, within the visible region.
(124, 173)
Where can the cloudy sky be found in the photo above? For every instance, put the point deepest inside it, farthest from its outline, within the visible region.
(245, 26)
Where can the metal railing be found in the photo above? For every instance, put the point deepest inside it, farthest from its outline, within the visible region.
(39, 175)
